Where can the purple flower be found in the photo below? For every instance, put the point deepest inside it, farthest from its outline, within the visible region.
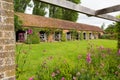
(119, 52)
(29, 31)
(62, 78)
(88, 59)
(31, 78)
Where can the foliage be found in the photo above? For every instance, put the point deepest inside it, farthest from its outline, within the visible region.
(54, 68)
(74, 34)
(63, 37)
(22, 60)
(20, 5)
(17, 23)
(70, 15)
(85, 69)
(64, 14)
(73, 51)
(110, 32)
(55, 12)
(39, 8)
(111, 29)
(118, 30)
(33, 38)
(109, 36)
(58, 30)
(81, 35)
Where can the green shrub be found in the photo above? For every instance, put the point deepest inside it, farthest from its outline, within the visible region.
(33, 38)
(63, 37)
(109, 36)
(81, 36)
(73, 34)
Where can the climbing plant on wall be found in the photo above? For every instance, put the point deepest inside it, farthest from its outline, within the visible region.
(81, 35)
(33, 36)
(17, 23)
(74, 34)
(63, 37)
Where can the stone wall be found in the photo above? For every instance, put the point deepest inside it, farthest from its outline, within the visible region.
(7, 40)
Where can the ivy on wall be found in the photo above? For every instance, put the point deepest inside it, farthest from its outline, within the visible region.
(81, 35)
(63, 37)
(33, 36)
(74, 34)
(17, 23)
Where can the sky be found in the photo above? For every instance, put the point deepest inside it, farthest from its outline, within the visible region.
(95, 5)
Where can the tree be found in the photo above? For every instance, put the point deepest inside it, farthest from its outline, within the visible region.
(55, 12)
(39, 8)
(61, 13)
(20, 5)
(103, 25)
(110, 29)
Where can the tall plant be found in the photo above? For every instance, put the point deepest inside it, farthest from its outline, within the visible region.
(118, 31)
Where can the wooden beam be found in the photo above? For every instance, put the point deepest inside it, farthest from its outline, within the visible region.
(79, 8)
(108, 10)
(70, 5)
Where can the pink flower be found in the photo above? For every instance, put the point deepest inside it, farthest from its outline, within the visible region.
(53, 74)
(88, 59)
(74, 78)
(29, 31)
(101, 48)
(119, 52)
(31, 78)
(57, 71)
(63, 78)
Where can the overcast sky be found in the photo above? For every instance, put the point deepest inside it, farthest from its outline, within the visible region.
(97, 4)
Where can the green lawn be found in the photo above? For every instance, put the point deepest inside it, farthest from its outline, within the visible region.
(70, 50)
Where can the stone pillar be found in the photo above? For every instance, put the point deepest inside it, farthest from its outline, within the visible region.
(7, 40)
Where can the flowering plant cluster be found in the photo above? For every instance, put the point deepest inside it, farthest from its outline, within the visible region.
(99, 64)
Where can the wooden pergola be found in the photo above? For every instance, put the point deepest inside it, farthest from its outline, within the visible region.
(81, 9)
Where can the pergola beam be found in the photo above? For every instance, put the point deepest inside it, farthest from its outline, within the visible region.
(108, 10)
(79, 8)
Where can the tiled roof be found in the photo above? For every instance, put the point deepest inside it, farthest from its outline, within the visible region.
(40, 21)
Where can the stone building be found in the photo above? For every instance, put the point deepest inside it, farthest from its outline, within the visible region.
(83, 30)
